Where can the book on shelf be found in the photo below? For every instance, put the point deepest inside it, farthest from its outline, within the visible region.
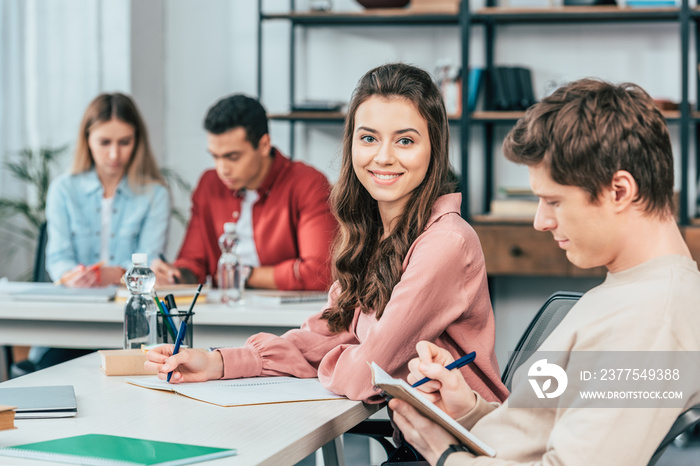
(7, 417)
(400, 389)
(474, 79)
(318, 106)
(520, 208)
(104, 450)
(41, 402)
(511, 88)
(514, 202)
(434, 6)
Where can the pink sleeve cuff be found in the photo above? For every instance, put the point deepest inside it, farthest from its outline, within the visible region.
(241, 362)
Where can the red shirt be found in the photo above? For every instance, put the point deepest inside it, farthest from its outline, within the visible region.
(292, 225)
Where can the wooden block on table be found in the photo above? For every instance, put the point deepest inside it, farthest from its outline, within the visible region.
(7, 417)
(123, 362)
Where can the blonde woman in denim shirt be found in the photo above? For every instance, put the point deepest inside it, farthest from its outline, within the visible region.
(112, 204)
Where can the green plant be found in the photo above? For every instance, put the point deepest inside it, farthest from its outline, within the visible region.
(33, 169)
(174, 180)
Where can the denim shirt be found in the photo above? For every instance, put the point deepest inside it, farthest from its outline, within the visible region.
(140, 222)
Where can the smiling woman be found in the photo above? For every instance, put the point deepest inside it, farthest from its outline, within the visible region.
(407, 266)
(390, 153)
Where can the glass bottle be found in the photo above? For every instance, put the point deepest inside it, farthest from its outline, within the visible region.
(231, 272)
(140, 310)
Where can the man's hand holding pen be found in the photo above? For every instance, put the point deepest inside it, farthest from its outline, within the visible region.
(448, 389)
(167, 274)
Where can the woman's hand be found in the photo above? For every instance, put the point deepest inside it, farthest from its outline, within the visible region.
(111, 275)
(188, 365)
(428, 438)
(448, 390)
(81, 277)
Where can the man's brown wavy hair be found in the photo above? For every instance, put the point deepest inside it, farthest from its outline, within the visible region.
(366, 267)
(588, 130)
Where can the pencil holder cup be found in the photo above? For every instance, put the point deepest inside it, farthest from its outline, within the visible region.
(169, 324)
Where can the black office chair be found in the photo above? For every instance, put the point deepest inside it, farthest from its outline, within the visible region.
(547, 318)
(39, 274)
(552, 312)
(684, 423)
(54, 355)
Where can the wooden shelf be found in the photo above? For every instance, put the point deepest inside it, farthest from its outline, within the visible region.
(324, 117)
(496, 116)
(512, 116)
(386, 16)
(574, 14)
(321, 117)
(503, 219)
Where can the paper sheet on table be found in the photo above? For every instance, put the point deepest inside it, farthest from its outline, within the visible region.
(241, 392)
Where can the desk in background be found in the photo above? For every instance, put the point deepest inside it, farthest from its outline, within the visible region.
(275, 434)
(100, 325)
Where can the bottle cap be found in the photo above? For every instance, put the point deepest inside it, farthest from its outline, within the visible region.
(139, 258)
(229, 227)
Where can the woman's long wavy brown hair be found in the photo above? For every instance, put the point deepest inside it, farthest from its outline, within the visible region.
(366, 268)
(142, 168)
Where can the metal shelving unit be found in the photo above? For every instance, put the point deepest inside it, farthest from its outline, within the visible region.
(490, 18)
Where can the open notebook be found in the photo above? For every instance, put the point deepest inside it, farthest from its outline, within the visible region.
(241, 392)
(398, 388)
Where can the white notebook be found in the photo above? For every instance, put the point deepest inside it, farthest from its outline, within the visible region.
(398, 388)
(285, 296)
(48, 292)
(241, 392)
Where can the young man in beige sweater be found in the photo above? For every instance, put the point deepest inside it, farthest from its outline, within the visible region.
(600, 162)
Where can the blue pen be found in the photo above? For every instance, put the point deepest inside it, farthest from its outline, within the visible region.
(171, 323)
(463, 361)
(178, 341)
(183, 326)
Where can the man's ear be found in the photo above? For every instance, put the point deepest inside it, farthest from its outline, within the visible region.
(264, 145)
(623, 190)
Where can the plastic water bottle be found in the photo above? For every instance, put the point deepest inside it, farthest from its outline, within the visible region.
(140, 310)
(231, 271)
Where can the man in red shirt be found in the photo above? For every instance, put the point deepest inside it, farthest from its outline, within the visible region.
(281, 208)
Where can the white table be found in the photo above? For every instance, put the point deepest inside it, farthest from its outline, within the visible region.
(275, 434)
(100, 325)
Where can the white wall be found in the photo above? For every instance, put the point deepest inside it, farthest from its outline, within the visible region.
(179, 56)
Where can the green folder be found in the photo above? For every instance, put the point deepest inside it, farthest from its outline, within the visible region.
(99, 450)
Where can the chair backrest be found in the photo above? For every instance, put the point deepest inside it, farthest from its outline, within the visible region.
(684, 422)
(548, 317)
(40, 274)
